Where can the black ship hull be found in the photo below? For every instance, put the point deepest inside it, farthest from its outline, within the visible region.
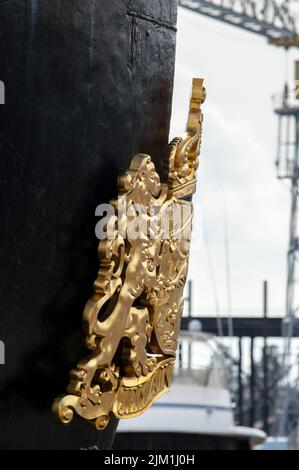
(87, 85)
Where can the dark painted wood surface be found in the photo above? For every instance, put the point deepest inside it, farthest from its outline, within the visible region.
(88, 84)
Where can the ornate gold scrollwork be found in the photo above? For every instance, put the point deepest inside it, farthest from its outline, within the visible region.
(133, 319)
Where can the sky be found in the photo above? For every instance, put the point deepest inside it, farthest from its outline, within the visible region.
(238, 192)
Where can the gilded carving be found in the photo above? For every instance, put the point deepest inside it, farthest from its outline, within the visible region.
(132, 321)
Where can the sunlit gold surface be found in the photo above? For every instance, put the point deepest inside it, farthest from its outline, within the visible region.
(133, 319)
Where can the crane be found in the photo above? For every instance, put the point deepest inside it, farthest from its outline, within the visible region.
(277, 23)
(286, 106)
(268, 18)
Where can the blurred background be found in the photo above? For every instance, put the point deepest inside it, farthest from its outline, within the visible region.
(239, 352)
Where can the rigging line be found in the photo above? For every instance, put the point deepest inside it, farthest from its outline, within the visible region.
(227, 267)
(214, 288)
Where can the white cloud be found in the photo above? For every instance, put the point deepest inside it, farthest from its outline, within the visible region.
(237, 162)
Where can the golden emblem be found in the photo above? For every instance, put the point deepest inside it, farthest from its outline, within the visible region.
(132, 321)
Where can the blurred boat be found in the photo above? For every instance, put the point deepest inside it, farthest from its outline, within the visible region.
(197, 413)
